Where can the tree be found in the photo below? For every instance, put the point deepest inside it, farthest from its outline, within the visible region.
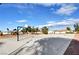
(33, 30)
(68, 28)
(8, 30)
(37, 29)
(76, 26)
(29, 28)
(14, 32)
(24, 30)
(45, 30)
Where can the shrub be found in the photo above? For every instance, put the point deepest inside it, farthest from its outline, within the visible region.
(29, 28)
(1, 33)
(68, 28)
(45, 30)
(24, 30)
(76, 26)
(69, 32)
(14, 32)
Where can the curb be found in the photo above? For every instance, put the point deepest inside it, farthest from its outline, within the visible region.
(15, 52)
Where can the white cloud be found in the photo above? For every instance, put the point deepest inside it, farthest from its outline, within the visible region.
(66, 22)
(21, 21)
(47, 25)
(25, 25)
(66, 9)
(70, 21)
(52, 4)
(50, 22)
(47, 4)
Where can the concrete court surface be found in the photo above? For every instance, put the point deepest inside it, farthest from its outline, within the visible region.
(48, 45)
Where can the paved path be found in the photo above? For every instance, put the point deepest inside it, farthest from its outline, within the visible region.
(12, 46)
(73, 48)
(7, 46)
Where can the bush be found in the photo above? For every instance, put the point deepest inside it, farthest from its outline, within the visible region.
(24, 30)
(45, 30)
(1, 33)
(76, 26)
(69, 32)
(13, 33)
(29, 28)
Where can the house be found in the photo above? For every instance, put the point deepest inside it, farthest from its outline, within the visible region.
(50, 32)
(60, 31)
(5, 32)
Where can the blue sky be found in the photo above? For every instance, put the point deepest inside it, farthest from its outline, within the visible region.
(53, 15)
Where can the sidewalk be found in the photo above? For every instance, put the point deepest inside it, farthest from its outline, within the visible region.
(12, 46)
(73, 48)
(8, 46)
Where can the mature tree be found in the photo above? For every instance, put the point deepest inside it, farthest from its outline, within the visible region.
(29, 28)
(45, 30)
(24, 30)
(34, 30)
(76, 26)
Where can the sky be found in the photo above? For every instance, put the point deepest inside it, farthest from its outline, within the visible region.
(56, 16)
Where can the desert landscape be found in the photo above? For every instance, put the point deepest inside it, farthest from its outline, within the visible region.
(39, 29)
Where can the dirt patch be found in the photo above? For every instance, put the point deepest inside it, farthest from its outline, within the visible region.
(7, 36)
